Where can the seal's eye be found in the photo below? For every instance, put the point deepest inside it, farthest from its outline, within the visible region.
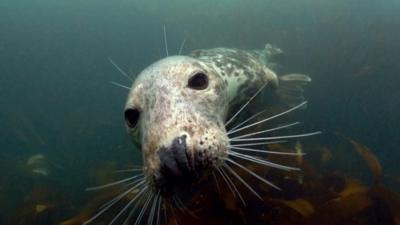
(131, 117)
(199, 81)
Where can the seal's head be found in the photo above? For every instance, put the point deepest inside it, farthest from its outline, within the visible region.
(175, 112)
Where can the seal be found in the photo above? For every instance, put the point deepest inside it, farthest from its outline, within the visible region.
(178, 111)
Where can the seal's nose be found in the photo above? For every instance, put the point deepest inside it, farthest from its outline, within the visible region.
(175, 160)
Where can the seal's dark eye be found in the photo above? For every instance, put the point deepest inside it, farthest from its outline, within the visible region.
(131, 117)
(199, 81)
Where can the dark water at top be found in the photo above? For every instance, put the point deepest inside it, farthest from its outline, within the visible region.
(56, 99)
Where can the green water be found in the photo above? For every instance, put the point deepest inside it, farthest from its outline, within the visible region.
(56, 98)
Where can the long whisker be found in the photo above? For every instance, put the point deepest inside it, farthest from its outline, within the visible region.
(112, 202)
(158, 210)
(127, 206)
(259, 143)
(113, 183)
(179, 202)
(226, 181)
(120, 85)
(268, 130)
(216, 182)
(247, 120)
(181, 47)
(146, 204)
(234, 186)
(165, 41)
(276, 137)
(262, 162)
(181, 205)
(241, 180)
(165, 213)
(176, 203)
(254, 174)
(173, 215)
(266, 151)
(269, 118)
(135, 184)
(133, 210)
(244, 106)
(153, 209)
(119, 69)
(128, 170)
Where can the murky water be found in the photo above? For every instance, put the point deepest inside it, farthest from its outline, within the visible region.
(62, 126)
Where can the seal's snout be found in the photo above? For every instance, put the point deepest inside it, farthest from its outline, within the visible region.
(175, 164)
(175, 159)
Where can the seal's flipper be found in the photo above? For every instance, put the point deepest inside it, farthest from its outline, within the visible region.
(290, 90)
(267, 54)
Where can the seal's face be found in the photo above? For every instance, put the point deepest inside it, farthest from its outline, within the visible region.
(175, 112)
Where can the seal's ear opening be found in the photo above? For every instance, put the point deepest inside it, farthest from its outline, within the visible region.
(131, 117)
(198, 81)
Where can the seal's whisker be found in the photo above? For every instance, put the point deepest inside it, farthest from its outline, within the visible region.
(113, 201)
(135, 184)
(173, 215)
(234, 186)
(253, 174)
(153, 209)
(133, 210)
(185, 209)
(165, 213)
(226, 181)
(276, 137)
(244, 106)
(175, 202)
(182, 206)
(120, 85)
(266, 151)
(269, 118)
(120, 70)
(114, 183)
(260, 161)
(247, 120)
(216, 181)
(158, 210)
(268, 130)
(165, 41)
(259, 143)
(242, 180)
(144, 209)
(128, 170)
(181, 47)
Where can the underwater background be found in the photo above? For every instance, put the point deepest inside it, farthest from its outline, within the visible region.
(56, 100)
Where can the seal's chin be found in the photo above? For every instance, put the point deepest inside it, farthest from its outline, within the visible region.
(168, 186)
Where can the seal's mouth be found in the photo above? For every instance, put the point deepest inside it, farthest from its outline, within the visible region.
(177, 167)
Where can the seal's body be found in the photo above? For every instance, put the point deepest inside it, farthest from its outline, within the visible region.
(177, 109)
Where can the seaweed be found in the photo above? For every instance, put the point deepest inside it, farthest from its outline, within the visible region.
(313, 196)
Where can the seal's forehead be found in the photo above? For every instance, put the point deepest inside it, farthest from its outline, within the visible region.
(172, 67)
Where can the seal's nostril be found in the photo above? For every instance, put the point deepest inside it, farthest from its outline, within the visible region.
(174, 159)
(179, 143)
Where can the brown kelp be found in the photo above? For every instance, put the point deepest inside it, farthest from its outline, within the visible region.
(309, 196)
